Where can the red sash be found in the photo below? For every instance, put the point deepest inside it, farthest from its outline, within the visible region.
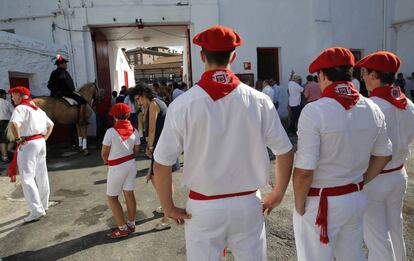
(121, 160)
(343, 92)
(12, 170)
(385, 171)
(124, 128)
(392, 94)
(324, 193)
(197, 196)
(218, 83)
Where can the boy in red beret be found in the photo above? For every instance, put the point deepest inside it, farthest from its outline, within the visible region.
(31, 128)
(224, 127)
(383, 230)
(342, 145)
(119, 148)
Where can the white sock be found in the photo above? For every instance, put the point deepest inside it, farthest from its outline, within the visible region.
(131, 223)
(80, 141)
(84, 144)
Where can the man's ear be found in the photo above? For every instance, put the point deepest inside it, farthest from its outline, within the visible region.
(233, 57)
(203, 56)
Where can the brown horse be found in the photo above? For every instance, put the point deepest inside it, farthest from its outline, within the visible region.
(60, 112)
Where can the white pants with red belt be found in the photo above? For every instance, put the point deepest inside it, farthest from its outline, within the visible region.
(345, 214)
(236, 222)
(31, 161)
(383, 228)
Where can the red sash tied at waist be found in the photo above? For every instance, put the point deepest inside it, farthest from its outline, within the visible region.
(12, 170)
(120, 160)
(197, 196)
(392, 170)
(324, 193)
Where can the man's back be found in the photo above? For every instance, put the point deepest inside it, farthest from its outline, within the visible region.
(237, 128)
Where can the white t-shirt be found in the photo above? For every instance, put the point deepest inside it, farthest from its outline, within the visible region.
(337, 143)
(120, 148)
(224, 141)
(295, 91)
(30, 122)
(177, 92)
(356, 84)
(269, 92)
(400, 128)
(6, 109)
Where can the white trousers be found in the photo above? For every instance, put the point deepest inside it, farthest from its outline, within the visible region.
(345, 214)
(31, 161)
(236, 222)
(121, 178)
(383, 227)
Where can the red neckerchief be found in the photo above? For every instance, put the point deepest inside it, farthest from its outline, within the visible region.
(124, 128)
(28, 102)
(343, 92)
(392, 94)
(218, 83)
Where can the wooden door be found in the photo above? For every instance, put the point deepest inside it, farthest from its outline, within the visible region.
(268, 64)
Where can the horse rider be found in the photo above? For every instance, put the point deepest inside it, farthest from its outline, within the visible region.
(61, 84)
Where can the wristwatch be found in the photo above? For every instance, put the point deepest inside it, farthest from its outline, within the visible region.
(19, 140)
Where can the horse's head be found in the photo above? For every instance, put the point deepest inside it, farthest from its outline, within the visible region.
(89, 91)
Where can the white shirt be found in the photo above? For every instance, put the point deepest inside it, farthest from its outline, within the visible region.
(356, 84)
(224, 141)
(400, 128)
(6, 109)
(294, 93)
(30, 121)
(177, 92)
(337, 143)
(120, 148)
(269, 92)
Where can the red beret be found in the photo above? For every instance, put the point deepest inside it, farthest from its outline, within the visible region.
(218, 38)
(119, 109)
(20, 89)
(382, 61)
(332, 57)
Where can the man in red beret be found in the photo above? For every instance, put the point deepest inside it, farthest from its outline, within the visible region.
(31, 128)
(119, 148)
(383, 230)
(342, 145)
(224, 127)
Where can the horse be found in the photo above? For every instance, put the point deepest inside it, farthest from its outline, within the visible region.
(60, 112)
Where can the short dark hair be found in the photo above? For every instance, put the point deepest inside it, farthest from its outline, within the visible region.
(122, 117)
(155, 84)
(315, 78)
(145, 91)
(219, 58)
(309, 78)
(114, 94)
(340, 73)
(384, 77)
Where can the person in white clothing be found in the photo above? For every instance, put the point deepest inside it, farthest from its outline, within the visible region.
(355, 81)
(31, 128)
(6, 109)
(295, 91)
(216, 124)
(342, 145)
(383, 228)
(119, 148)
(268, 90)
(276, 93)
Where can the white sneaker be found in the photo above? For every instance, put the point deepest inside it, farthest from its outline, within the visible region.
(33, 218)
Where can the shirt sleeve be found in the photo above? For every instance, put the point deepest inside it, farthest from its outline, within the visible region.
(170, 143)
(137, 138)
(309, 139)
(382, 145)
(18, 116)
(275, 135)
(107, 140)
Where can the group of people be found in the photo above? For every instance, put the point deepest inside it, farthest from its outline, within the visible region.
(348, 179)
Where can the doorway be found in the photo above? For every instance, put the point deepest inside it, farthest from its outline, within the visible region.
(268, 64)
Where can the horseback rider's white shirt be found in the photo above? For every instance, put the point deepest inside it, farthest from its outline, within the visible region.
(337, 143)
(224, 141)
(6, 109)
(120, 148)
(400, 128)
(30, 121)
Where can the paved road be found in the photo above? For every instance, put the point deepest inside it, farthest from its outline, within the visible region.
(75, 227)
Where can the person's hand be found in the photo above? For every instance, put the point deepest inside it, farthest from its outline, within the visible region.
(269, 202)
(148, 152)
(177, 214)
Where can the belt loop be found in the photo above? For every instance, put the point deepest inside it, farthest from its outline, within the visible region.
(320, 191)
